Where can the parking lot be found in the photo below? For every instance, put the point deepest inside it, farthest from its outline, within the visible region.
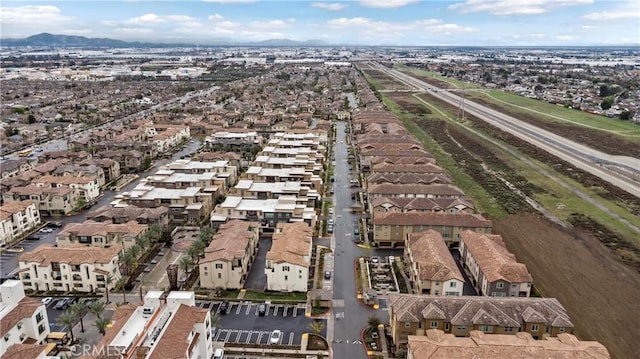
(242, 324)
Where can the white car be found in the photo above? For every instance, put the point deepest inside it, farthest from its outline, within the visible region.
(275, 337)
(46, 301)
(46, 230)
(331, 210)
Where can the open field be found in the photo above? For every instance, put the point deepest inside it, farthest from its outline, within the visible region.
(434, 78)
(384, 82)
(573, 265)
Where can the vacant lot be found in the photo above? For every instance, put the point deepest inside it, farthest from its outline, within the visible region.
(600, 294)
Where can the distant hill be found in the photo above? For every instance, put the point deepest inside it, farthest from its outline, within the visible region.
(52, 40)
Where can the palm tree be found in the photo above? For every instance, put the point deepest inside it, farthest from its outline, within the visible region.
(107, 283)
(78, 309)
(121, 283)
(127, 260)
(67, 319)
(316, 327)
(373, 321)
(185, 263)
(206, 235)
(101, 324)
(97, 308)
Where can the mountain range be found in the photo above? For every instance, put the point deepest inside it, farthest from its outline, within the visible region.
(61, 41)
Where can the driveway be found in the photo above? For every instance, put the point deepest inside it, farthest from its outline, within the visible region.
(257, 279)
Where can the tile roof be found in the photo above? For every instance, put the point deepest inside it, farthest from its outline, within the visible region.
(408, 178)
(422, 204)
(432, 257)
(467, 311)
(118, 320)
(10, 208)
(173, 344)
(430, 218)
(91, 228)
(25, 351)
(493, 258)
(230, 242)
(435, 344)
(74, 254)
(291, 244)
(415, 189)
(392, 168)
(24, 309)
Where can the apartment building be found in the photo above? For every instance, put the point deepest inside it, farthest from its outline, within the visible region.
(390, 229)
(88, 187)
(436, 344)
(432, 269)
(166, 137)
(16, 219)
(25, 324)
(414, 314)
(279, 152)
(436, 205)
(50, 201)
(394, 190)
(267, 212)
(228, 258)
(76, 267)
(493, 270)
(313, 140)
(231, 141)
(208, 181)
(287, 262)
(249, 189)
(189, 205)
(149, 216)
(407, 178)
(222, 169)
(272, 175)
(158, 328)
(99, 234)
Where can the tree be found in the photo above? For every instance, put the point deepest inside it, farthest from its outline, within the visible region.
(186, 263)
(121, 283)
(78, 309)
(607, 103)
(107, 283)
(316, 327)
(146, 163)
(31, 118)
(97, 308)
(101, 324)
(626, 115)
(68, 319)
(373, 321)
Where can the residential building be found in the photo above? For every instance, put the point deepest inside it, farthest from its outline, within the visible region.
(390, 229)
(267, 212)
(222, 169)
(158, 328)
(393, 190)
(17, 219)
(50, 201)
(436, 344)
(249, 189)
(88, 187)
(493, 270)
(228, 258)
(149, 216)
(24, 320)
(407, 178)
(432, 269)
(414, 314)
(76, 267)
(272, 175)
(437, 205)
(99, 234)
(287, 262)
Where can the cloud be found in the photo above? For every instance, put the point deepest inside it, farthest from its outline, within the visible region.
(231, 1)
(271, 24)
(215, 17)
(335, 6)
(613, 15)
(32, 14)
(381, 28)
(386, 4)
(564, 37)
(151, 18)
(514, 7)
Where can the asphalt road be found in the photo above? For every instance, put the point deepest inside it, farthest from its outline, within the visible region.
(621, 171)
(9, 261)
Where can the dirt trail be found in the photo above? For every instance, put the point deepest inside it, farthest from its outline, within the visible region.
(600, 293)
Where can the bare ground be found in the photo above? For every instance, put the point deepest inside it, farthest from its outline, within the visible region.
(600, 294)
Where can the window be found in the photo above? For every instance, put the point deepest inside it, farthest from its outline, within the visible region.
(447, 326)
(486, 328)
(41, 328)
(407, 324)
(508, 329)
(286, 277)
(219, 275)
(39, 317)
(499, 285)
(452, 284)
(535, 327)
(433, 324)
(218, 265)
(561, 329)
(462, 328)
(285, 268)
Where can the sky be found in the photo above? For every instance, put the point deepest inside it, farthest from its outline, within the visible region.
(357, 22)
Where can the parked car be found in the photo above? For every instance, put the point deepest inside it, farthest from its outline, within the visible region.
(356, 231)
(46, 301)
(330, 221)
(62, 304)
(275, 337)
(330, 228)
(218, 354)
(375, 259)
(55, 224)
(262, 309)
(34, 237)
(327, 275)
(46, 230)
(161, 253)
(154, 261)
(331, 210)
(224, 307)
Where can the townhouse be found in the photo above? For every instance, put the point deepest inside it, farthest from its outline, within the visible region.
(436, 205)
(50, 201)
(16, 219)
(272, 175)
(76, 267)
(166, 137)
(287, 262)
(228, 258)
(267, 212)
(414, 314)
(222, 169)
(493, 270)
(432, 269)
(97, 234)
(25, 323)
(408, 178)
(149, 216)
(159, 328)
(390, 229)
(421, 169)
(249, 189)
(436, 344)
(392, 190)
(88, 187)
(299, 161)
(12, 168)
(208, 181)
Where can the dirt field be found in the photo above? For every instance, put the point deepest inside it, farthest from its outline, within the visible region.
(601, 295)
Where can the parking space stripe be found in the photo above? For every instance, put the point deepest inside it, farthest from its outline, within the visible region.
(226, 339)
(249, 309)
(239, 308)
(275, 311)
(238, 336)
(249, 337)
(291, 338)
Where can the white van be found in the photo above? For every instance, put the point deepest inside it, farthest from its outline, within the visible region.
(218, 354)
